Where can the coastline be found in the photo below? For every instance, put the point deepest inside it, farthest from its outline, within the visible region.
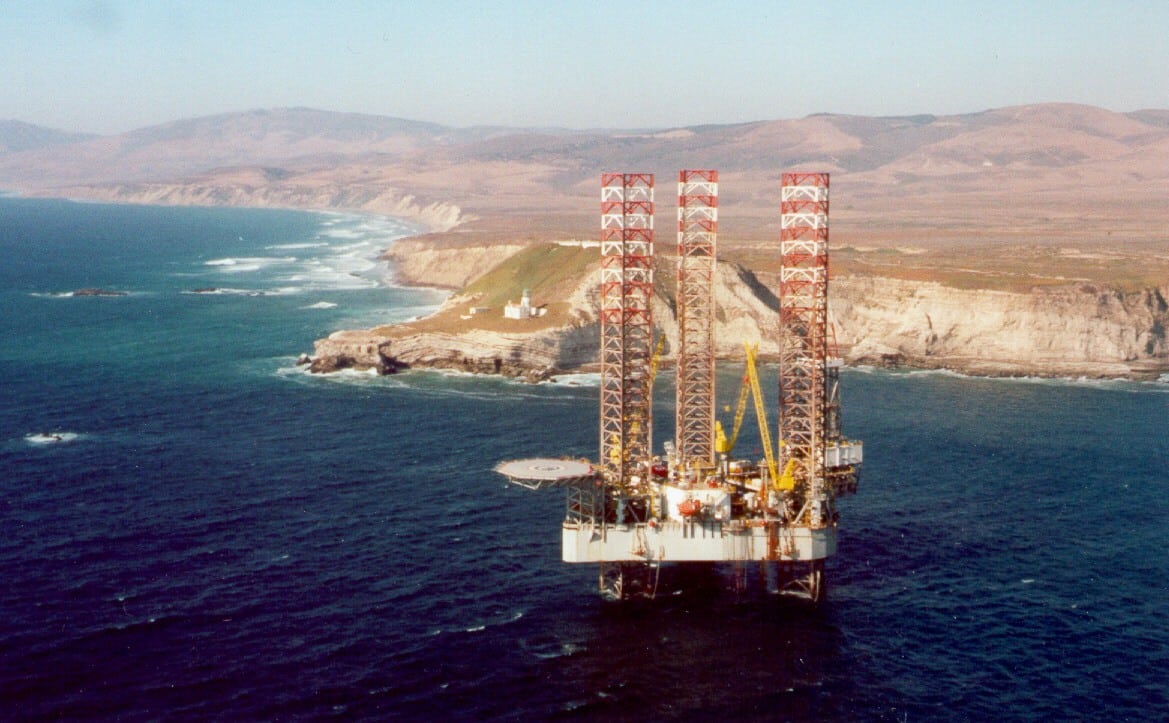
(506, 353)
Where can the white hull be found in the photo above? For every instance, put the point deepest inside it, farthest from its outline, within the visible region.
(706, 541)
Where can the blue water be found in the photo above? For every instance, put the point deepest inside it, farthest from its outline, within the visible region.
(217, 535)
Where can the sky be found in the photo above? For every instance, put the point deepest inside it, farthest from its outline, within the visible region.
(108, 66)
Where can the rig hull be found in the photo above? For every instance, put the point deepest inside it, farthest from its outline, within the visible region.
(697, 541)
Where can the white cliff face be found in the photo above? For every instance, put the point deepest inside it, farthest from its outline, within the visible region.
(1068, 331)
(1042, 331)
(419, 262)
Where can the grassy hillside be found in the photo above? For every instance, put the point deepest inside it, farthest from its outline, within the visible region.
(549, 271)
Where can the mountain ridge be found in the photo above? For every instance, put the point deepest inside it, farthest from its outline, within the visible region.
(1047, 172)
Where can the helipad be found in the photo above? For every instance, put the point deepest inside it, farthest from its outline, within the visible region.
(546, 472)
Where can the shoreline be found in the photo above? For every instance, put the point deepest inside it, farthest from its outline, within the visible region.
(1135, 370)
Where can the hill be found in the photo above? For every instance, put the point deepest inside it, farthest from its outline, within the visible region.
(1034, 174)
(17, 136)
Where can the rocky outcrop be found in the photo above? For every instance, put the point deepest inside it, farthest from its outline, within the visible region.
(533, 356)
(360, 350)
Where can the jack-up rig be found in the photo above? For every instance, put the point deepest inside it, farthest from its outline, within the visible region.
(632, 511)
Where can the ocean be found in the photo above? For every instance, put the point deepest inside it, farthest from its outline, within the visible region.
(194, 528)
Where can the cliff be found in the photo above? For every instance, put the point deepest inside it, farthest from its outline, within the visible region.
(1064, 331)
(418, 262)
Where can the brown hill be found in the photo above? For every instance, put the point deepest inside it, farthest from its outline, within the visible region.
(1050, 173)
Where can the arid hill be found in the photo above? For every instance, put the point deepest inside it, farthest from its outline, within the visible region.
(1061, 173)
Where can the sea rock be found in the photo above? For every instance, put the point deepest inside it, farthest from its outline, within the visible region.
(97, 292)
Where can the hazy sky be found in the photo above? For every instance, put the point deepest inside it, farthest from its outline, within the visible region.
(108, 66)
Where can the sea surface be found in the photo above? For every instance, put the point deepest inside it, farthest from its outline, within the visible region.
(193, 528)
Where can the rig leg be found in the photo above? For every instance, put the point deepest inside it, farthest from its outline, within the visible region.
(802, 579)
(740, 577)
(624, 580)
(611, 581)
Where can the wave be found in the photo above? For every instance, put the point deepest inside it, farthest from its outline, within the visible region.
(343, 256)
(233, 291)
(369, 377)
(41, 439)
(1161, 384)
(85, 293)
(355, 249)
(321, 305)
(343, 233)
(444, 383)
(334, 272)
(302, 245)
(579, 379)
(499, 622)
(246, 264)
(553, 650)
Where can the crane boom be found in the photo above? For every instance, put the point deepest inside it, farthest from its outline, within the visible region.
(724, 445)
(761, 412)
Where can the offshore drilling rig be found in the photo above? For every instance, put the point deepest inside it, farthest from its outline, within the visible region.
(632, 510)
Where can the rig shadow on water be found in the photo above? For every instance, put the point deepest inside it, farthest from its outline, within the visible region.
(781, 656)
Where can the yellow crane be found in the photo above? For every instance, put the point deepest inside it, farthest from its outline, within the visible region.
(724, 445)
(761, 413)
(656, 360)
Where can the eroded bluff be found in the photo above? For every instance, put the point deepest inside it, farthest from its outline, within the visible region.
(1067, 331)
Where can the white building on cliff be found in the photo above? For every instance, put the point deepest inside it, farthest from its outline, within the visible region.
(522, 310)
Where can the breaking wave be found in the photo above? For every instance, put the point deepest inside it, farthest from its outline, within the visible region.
(40, 439)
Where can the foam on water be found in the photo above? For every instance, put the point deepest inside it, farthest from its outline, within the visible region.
(1112, 383)
(117, 294)
(249, 264)
(580, 379)
(343, 257)
(345, 233)
(306, 245)
(40, 439)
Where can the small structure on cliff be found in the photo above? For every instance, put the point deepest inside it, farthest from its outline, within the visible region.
(522, 310)
(631, 510)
